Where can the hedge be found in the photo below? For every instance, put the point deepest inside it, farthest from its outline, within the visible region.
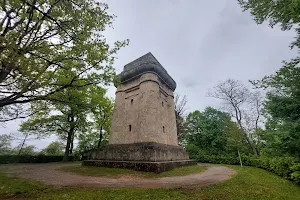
(287, 167)
(6, 159)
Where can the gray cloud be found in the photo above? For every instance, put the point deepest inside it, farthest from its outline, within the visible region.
(188, 82)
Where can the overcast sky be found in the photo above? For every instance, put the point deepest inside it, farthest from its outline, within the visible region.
(199, 43)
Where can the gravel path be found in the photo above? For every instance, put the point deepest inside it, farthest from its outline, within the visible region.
(49, 175)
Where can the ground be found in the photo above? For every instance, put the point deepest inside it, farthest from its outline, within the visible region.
(49, 174)
(246, 183)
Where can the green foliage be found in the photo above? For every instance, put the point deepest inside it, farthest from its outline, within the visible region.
(101, 114)
(90, 141)
(49, 46)
(193, 150)
(77, 113)
(203, 156)
(282, 166)
(287, 167)
(54, 148)
(208, 129)
(285, 13)
(97, 135)
(213, 132)
(282, 109)
(180, 109)
(295, 175)
(5, 143)
(282, 103)
(6, 159)
(102, 109)
(26, 150)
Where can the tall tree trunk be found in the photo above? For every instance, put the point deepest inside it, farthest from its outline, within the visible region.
(100, 137)
(247, 139)
(67, 149)
(71, 119)
(23, 143)
(71, 145)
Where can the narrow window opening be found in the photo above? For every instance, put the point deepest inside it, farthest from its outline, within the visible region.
(162, 104)
(163, 129)
(131, 101)
(129, 127)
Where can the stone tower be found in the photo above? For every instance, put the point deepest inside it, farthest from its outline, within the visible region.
(143, 131)
(144, 107)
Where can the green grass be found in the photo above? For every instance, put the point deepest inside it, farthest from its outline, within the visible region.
(17, 187)
(248, 183)
(116, 173)
(251, 183)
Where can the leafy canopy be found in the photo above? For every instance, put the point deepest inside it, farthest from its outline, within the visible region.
(54, 148)
(51, 45)
(210, 130)
(282, 104)
(79, 112)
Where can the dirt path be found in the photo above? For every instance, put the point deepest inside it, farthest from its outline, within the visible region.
(49, 175)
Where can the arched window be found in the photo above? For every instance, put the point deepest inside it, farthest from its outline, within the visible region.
(163, 129)
(131, 101)
(162, 104)
(129, 127)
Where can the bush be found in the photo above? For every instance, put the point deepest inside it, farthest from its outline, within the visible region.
(193, 150)
(6, 159)
(296, 173)
(218, 159)
(287, 167)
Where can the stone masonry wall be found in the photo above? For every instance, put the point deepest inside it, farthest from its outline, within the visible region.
(144, 112)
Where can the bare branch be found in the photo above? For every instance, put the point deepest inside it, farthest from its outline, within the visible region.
(236, 96)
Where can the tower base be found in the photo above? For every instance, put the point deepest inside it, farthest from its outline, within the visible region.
(144, 156)
(156, 167)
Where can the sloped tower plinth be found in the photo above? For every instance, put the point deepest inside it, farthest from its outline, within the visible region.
(143, 132)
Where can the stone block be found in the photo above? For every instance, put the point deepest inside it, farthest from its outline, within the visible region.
(156, 167)
(144, 151)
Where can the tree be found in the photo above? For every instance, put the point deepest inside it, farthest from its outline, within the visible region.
(90, 141)
(101, 113)
(26, 150)
(49, 46)
(23, 143)
(54, 148)
(180, 109)
(210, 130)
(21, 138)
(282, 12)
(5, 143)
(238, 100)
(67, 120)
(282, 104)
(282, 109)
(235, 140)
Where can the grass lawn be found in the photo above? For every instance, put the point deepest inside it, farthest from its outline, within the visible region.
(248, 183)
(115, 173)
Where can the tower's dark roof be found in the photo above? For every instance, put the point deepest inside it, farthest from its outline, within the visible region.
(144, 64)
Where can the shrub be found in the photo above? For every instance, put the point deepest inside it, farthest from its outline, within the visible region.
(287, 167)
(295, 176)
(193, 150)
(6, 159)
